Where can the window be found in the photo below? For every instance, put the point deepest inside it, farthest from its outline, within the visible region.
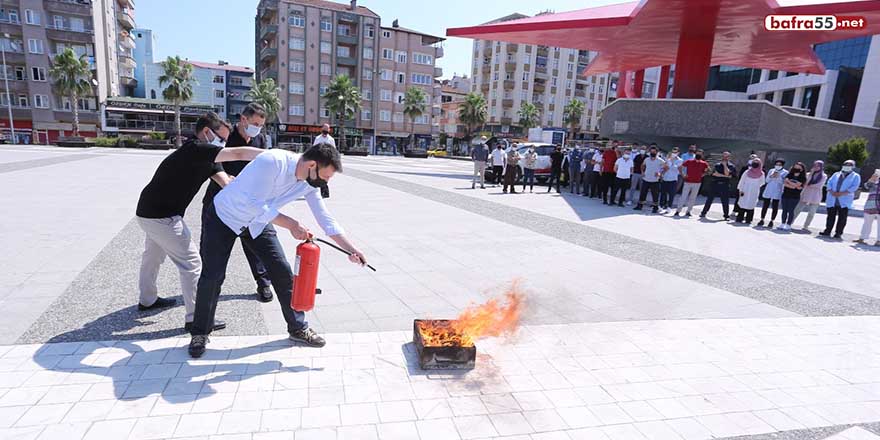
(9, 15)
(152, 93)
(35, 46)
(344, 30)
(368, 53)
(524, 95)
(326, 25)
(343, 51)
(368, 74)
(422, 119)
(322, 90)
(220, 109)
(296, 110)
(366, 115)
(324, 112)
(400, 78)
(235, 80)
(41, 101)
(420, 78)
(22, 100)
(387, 54)
(38, 73)
(367, 94)
(385, 74)
(386, 34)
(571, 67)
(525, 76)
(568, 84)
(399, 97)
(325, 69)
(553, 81)
(326, 47)
(297, 66)
(219, 93)
(385, 95)
(297, 44)
(369, 31)
(32, 17)
(297, 20)
(20, 73)
(508, 76)
(219, 79)
(58, 21)
(385, 115)
(296, 88)
(401, 57)
(420, 58)
(398, 117)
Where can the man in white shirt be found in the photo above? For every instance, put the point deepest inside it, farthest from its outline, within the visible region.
(324, 137)
(243, 209)
(498, 160)
(623, 169)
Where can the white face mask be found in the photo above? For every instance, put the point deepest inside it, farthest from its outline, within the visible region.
(846, 168)
(778, 167)
(626, 156)
(252, 130)
(217, 141)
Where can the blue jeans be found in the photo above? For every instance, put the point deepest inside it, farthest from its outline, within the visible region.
(217, 242)
(667, 193)
(258, 269)
(788, 205)
(529, 178)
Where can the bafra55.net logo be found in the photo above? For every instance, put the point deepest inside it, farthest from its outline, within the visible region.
(813, 22)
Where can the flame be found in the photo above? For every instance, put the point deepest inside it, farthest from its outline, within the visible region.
(494, 318)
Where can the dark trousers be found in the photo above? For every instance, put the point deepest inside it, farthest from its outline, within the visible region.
(767, 204)
(667, 193)
(788, 205)
(510, 178)
(529, 179)
(654, 188)
(554, 176)
(722, 191)
(258, 269)
(595, 181)
(745, 214)
(498, 171)
(217, 242)
(838, 214)
(606, 185)
(621, 185)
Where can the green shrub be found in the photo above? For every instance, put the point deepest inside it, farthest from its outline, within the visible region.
(128, 142)
(855, 148)
(105, 142)
(157, 136)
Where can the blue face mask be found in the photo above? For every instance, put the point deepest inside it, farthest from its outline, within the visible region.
(252, 130)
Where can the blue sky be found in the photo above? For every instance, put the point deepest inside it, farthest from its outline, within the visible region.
(224, 29)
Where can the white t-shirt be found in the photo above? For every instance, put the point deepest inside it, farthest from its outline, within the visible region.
(498, 157)
(597, 157)
(321, 139)
(624, 168)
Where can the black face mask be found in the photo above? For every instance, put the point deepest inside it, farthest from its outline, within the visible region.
(317, 181)
(653, 154)
(325, 132)
(699, 157)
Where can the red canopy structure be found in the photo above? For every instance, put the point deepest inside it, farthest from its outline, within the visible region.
(692, 34)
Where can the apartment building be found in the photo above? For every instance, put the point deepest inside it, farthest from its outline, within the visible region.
(452, 93)
(508, 74)
(304, 44)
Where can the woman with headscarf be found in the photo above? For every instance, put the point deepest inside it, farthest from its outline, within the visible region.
(811, 196)
(773, 191)
(791, 194)
(749, 187)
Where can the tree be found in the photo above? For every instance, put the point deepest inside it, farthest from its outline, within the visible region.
(855, 148)
(472, 112)
(529, 116)
(413, 107)
(265, 93)
(572, 115)
(178, 74)
(343, 101)
(72, 77)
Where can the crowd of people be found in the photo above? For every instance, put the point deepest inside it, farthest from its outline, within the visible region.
(625, 175)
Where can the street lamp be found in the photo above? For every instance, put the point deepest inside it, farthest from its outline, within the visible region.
(6, 80)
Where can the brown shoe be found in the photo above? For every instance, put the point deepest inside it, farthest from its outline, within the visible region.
(308, 337)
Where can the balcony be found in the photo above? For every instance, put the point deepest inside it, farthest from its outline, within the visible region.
(438, 52)
(438, 72)
(15, 87)
(487, 68)
(540, 87)
(346, 61)
(509, 84)
(270, 73)
(347, 18)
(15, 57)
(542, 51)
(351, 40)
(268, 9)
(68, 7)
(126, 77)
(126, 19)
(268, 53)
(268, 31)
(126, 41)
(126, 60)
(512, 48)
(484, 87)
(123, 3)
(541, 70)
(583, 59)
(510, 66)
(580, 93)
(67, 33)
(507, 103)
(506, 121)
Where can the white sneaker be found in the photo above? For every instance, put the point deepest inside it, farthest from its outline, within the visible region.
(629, 203)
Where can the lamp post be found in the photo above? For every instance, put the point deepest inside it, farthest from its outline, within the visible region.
(8, 96)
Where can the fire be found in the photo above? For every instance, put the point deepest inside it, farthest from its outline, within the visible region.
(494, 318)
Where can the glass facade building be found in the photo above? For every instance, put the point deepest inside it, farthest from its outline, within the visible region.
(848, 57)
(732, 78)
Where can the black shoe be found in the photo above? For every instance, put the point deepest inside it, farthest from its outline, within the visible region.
(825, 233)
(637, 208)
(264, 294)
(160, 303)
(308, 336)
(654, 210)
(473, 186)
(727, 218)
(761, 223)
(769, 225)
(838, 236)
(687, 214)
(197, 345)
(219, 324)
(620, 205)
(482, 186)
(702, 215)
(676, 214)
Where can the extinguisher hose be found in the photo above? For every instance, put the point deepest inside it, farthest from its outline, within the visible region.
(339, 249)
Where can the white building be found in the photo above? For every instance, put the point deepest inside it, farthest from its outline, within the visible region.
(209, 87)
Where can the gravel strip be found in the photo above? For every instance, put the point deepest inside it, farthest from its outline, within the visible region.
(43, 162)
(808, 434)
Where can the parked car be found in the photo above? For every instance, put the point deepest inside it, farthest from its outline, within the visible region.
(437, 152)
(542, 172)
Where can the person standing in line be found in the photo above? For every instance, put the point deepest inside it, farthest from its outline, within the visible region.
(791, 195)
(811, 196)
(555, 169)
(695, 169)
(596, 173)
(511, 168)
(498, 163)
(652, 170)
(480, 155)
(842, 188)
(530, 163)
(669, 182)
(586, 171)
(721, 178)
(623, 170)
(324, 137)
(609, 158)
(575, 157)
(749, 188)
(773, 191)
(638, 158)
(872, 209)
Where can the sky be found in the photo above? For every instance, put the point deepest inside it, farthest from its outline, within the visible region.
(212, 30)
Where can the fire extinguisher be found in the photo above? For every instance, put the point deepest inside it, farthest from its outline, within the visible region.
(305, 273)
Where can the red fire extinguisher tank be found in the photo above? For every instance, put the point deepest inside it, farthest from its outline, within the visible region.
(305, 276)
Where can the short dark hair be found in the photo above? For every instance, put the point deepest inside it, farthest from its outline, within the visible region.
(253, 109)
(210, 120)
(324, 154)
(653, 147)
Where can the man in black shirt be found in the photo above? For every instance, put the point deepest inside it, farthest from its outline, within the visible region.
(245, 132)
(162, 205)
(555, 168)
(724, 172)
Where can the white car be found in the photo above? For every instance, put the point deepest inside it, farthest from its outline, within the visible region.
(542, 168)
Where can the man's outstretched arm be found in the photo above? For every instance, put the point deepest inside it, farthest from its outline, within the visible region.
(238, 153)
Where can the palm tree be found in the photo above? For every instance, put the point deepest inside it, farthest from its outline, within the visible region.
(572, 115)
(178, 74)
(72, 77)
(413, 107)
(265, 93)
(472, 112)
(528, 116)
(343, 101)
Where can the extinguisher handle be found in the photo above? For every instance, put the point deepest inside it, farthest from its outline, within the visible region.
(339, 249)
